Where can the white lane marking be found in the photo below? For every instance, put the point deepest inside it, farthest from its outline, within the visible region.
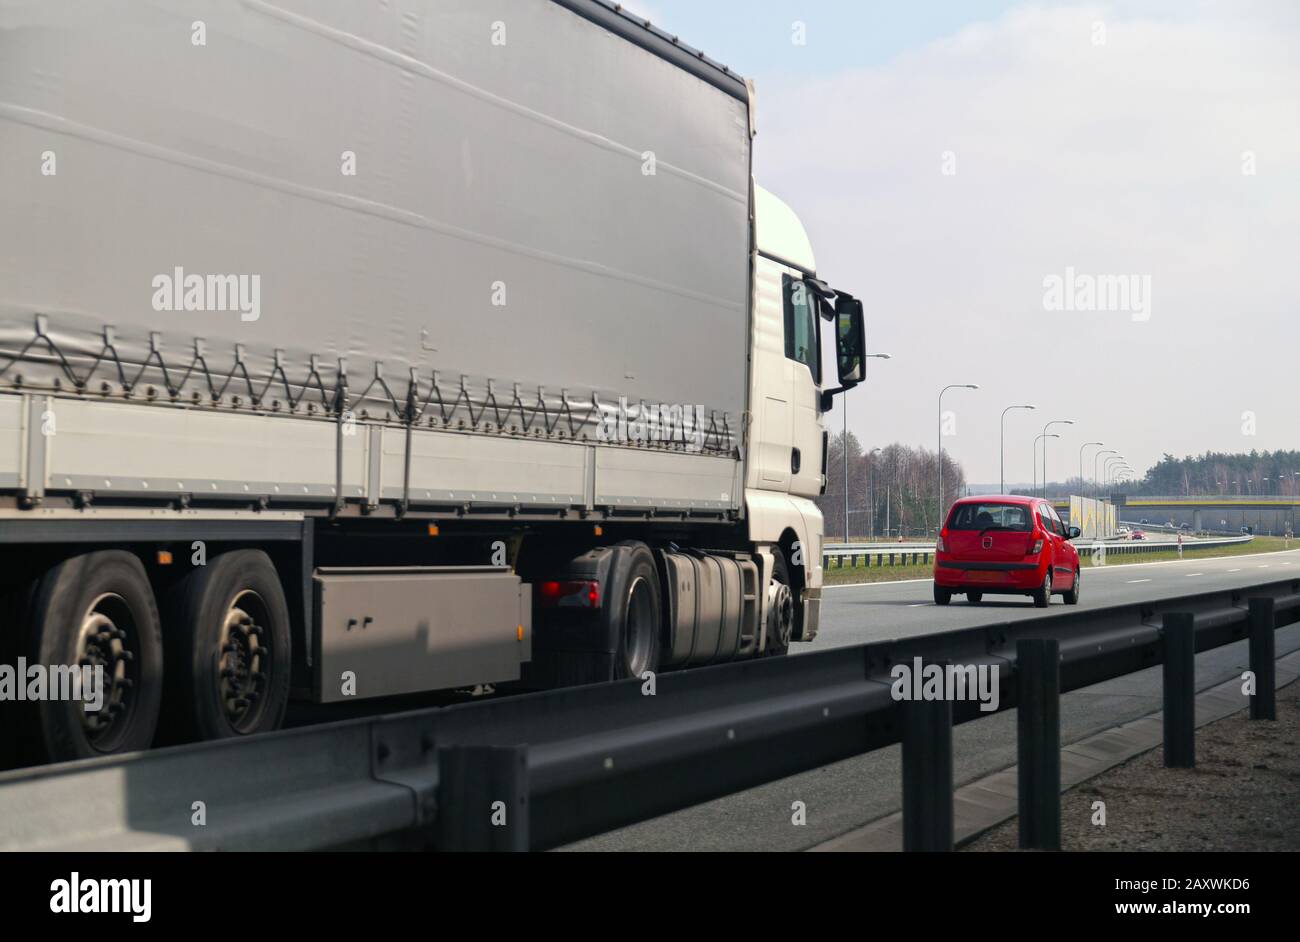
(1234, 570)
(1262, 567)
(1136, 581)
(1188, 575)
(918, 604)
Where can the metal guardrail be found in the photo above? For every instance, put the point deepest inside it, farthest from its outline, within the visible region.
(913, 554)
(1132, 547)
(1217, 499)
(558, 766)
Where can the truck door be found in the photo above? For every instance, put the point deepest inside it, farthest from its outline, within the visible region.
(803, 368)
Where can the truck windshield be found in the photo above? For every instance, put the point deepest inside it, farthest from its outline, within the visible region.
(990, 517)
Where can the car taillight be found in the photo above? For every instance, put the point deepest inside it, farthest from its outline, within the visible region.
(1037, 548)
(580, 594)
(939, 547)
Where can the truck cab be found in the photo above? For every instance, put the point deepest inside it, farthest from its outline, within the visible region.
(789, 396)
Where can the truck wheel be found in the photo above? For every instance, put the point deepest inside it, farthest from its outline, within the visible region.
(637, 612)
(98, 611)
(780, 610)
(229, 664)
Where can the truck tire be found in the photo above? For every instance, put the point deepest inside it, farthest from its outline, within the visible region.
(228, 665)
(636, 611)
(97, 610)
(780, 619)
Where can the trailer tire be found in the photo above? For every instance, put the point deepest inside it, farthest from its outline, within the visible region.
(636, 611)
(98, 609)
(228, 666)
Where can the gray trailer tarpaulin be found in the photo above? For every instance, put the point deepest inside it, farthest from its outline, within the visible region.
(502, 191)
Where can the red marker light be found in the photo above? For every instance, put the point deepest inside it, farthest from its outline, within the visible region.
(574, 594)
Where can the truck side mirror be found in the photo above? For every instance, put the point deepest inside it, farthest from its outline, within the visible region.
(850, 340)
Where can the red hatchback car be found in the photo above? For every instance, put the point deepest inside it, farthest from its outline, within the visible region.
(1006, 546)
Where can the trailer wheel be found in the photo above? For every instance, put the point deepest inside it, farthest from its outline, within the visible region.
(98, 611)
(637, 612)
(230, 669)
(780, 609)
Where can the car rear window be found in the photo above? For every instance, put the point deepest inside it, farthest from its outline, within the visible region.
(990, 516)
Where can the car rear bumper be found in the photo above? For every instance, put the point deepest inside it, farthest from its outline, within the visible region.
(981, 575)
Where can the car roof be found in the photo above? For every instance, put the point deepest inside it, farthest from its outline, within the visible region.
(998, 499)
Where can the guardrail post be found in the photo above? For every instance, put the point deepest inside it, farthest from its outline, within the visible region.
(483, 798)
(1038, 683)
(927, 775)
(1180, 690)
(1263, 705)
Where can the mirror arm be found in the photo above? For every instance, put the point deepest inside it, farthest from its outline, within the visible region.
(828, 395)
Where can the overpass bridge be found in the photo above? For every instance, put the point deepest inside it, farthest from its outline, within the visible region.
(1216, 513)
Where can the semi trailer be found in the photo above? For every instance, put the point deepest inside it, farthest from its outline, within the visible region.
(356, 349)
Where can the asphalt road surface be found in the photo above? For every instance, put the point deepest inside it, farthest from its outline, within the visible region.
(849, 794)
(858, 614)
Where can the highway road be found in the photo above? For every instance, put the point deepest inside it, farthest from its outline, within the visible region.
(849, 794)
(858, 614)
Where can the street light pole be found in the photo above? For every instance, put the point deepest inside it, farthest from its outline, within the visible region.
(1045, 428)
(1002, 448)
(939, 518)
(1083, 486)
(1105, 473)
(1043, 437)
(1096, 481)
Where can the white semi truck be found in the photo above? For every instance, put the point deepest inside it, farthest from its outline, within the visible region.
(357, 349)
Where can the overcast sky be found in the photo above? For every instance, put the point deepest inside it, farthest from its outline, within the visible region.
(954, 161)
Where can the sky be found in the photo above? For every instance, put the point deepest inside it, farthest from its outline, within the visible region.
(1091, 208)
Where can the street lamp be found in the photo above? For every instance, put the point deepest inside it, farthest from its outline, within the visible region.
(1002, 448)
(1083, 486)
(1043, 438)
(1045, 428)
(1082, 483)
(1096, 480)
(844, 442)
(941, 392)
(1106, 465)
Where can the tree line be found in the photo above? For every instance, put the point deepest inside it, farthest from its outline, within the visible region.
(1254, 472)
(893, 490)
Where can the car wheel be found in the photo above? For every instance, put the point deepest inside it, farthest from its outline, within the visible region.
(974, 597)
(942, 596)
(1043, 594)
(1072, 597)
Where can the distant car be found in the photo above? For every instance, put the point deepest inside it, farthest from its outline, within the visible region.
(1122, 530)
(1006, 546)
(1137, 535)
